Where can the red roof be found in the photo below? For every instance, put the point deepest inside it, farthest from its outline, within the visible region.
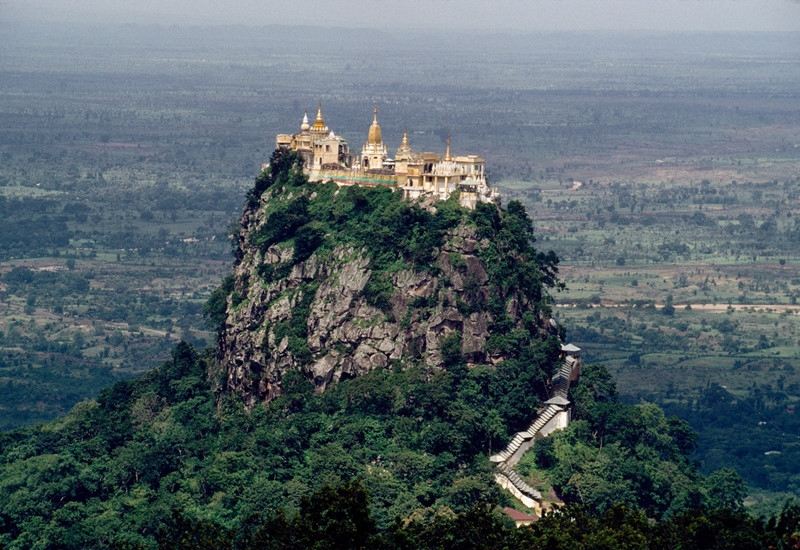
(516, 515)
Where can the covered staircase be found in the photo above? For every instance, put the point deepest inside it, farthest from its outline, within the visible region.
(553, 416)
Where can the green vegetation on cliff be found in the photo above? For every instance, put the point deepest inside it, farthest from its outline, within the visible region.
(310, 216)
(391, 230)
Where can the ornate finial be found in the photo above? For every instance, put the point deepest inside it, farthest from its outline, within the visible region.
(304, 125)
(447, 155)
(319, 112)
(374, 114)
(405, 149)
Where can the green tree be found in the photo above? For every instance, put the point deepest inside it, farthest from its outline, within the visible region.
(725, 490)
(669, 308)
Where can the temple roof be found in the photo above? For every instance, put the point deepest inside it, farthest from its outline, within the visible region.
(516, 515)
(557, 400)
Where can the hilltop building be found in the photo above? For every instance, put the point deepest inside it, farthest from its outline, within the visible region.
(327, 156)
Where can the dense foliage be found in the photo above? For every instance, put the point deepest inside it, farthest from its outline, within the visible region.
(626, 455)
(394, 458)
(115, 470)
(338, 517)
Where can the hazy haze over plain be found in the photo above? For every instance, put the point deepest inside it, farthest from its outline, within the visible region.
(536, 15)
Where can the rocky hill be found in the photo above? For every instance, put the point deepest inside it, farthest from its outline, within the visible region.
(335, 282)
(441, 315)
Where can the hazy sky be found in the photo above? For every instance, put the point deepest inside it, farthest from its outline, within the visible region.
(494, 15)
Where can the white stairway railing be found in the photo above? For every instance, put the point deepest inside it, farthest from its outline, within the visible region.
(505, 459)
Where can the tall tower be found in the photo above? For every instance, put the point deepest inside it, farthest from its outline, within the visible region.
(374, 151)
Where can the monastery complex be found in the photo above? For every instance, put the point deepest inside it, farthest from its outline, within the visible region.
(327, 157)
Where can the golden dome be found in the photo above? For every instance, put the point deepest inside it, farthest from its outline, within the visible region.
(375, 136)
(319, 122)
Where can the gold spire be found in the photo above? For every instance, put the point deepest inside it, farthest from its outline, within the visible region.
(404, 141)
(447, 155)
(319, 122)
(375, 135)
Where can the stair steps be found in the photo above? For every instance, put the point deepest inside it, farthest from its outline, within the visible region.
(519, 483)
(560, 388)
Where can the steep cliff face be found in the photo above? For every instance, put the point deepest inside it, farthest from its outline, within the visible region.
(336, 282)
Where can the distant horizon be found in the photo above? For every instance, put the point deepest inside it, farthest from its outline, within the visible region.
(420, 30)
(502, 16)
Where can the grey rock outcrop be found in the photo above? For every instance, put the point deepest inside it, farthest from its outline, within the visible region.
(342, 334)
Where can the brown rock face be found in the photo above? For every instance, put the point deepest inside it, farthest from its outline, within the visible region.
(317, 318)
